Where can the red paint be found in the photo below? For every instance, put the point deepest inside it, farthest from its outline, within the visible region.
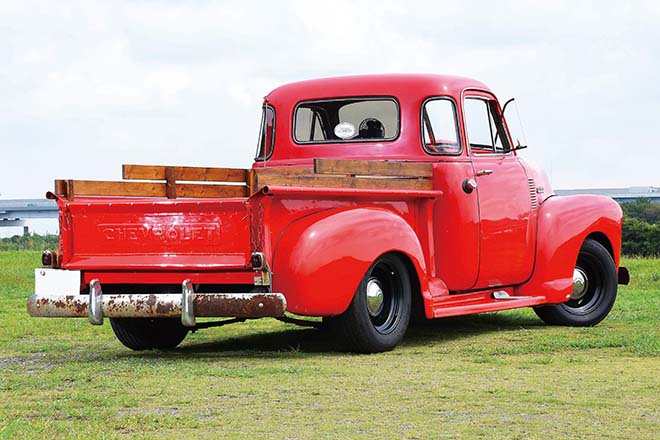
(506, 245)
(455, 222)
(511, 233)
(564, 223)
(169, 276)
(318, 258)
(123, 234)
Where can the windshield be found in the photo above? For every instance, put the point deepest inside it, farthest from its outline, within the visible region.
(346, 120)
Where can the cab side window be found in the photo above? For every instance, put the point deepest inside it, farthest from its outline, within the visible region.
(266, 134)
(484, 126)
(439, 127)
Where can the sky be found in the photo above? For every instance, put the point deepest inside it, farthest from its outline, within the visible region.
(87, 86)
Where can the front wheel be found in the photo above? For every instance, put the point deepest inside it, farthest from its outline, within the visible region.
(594, 290)
(149, 333)
(378, 316)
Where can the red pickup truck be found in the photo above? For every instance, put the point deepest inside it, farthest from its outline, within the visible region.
(371, 199)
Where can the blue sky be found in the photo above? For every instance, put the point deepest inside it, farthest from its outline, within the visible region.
(87, 86)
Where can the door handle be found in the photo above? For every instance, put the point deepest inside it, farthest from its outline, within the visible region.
(483, 173)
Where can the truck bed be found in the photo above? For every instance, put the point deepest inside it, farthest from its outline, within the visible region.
(162, 224)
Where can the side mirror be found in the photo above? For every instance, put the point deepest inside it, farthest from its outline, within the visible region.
(507, 103)
(517, 146)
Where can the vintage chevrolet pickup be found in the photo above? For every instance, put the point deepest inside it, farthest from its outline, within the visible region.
(371, 199)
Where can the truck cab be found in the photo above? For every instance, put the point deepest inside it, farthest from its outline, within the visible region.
(371, 198)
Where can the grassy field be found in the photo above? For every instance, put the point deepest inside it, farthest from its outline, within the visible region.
(501, 375)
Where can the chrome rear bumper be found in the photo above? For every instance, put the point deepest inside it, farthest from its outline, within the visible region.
(186, 305)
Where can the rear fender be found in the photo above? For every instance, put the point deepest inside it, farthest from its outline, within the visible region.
(319, 260)
(563, 225)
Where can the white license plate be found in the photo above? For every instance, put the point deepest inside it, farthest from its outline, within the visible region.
(56, 282)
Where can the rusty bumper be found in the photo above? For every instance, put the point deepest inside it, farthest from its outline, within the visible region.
(187, 305)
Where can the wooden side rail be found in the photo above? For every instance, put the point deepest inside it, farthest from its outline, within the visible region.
(157, 172)
(163, 181)
(181, 182)
(419, 170)
(363, 174)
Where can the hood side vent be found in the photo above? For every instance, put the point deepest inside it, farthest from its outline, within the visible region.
(532, 193)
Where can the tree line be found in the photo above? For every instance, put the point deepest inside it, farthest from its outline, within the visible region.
(29, 242)
(641, 228)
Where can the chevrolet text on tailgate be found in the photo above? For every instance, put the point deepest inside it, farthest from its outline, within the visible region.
(372, 199)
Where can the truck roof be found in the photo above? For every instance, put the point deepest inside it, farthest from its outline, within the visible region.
(409, 90)
(381, 84)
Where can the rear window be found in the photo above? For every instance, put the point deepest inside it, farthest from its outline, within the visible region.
(346, 120)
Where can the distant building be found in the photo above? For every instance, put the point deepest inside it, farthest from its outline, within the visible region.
(621, 195)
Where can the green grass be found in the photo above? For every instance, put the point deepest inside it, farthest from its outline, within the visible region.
(500, 375)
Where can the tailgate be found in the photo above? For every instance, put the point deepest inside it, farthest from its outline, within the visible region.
(148, 234)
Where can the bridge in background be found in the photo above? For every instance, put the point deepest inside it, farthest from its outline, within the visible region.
(15, 213)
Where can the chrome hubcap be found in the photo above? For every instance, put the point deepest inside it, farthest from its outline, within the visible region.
(580, 284)
(375, 297)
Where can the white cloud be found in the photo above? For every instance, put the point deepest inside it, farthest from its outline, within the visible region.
(86, 86)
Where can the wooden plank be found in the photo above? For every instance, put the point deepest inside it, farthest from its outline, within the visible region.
(158, 172)
(69, 190)
(60, 187)
(105, 188)
(251, 182)
(373, 168)
(143, 172)
(211, 191)
(284, 171)
(151, 189)
(170, 183)
(320, 181)
(212, 174)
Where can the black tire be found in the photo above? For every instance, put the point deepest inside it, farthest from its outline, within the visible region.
(147, 334)
(592, 303)
(367, 327)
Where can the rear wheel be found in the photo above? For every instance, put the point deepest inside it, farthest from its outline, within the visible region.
(594, 290)
(146, 334)
(378, 316)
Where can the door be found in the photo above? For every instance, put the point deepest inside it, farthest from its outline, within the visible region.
(506, 241)
(455, 214)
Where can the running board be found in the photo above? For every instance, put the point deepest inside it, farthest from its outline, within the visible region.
(482, 302)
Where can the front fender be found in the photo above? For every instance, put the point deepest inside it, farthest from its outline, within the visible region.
(563, 225)
(319, 260)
